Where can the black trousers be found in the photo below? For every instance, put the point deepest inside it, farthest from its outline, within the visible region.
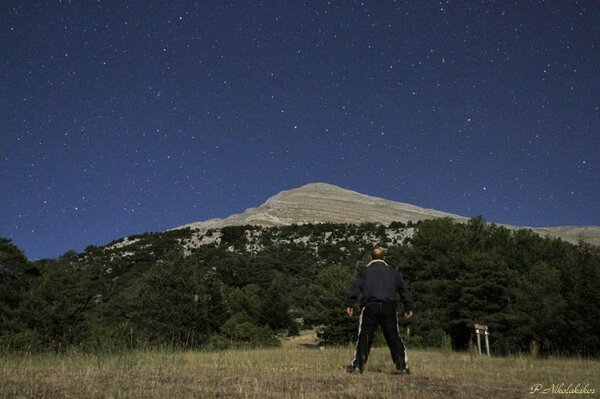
(372, 316)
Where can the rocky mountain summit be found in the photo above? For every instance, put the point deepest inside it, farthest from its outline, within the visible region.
(327, 203)
(324, 203)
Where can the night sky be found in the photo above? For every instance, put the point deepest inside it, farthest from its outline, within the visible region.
(121, 117)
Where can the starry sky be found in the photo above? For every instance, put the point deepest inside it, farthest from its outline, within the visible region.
(118, 118)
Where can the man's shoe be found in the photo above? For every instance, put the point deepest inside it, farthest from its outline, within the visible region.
(402, 367)
(360, 363)
(353, 369)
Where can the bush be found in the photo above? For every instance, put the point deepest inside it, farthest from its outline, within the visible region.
(247, 333)
(217, 343)
(438, 338)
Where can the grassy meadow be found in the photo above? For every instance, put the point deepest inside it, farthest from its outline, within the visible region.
(298, 369)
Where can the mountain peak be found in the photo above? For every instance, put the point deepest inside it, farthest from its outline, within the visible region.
(325, 203)
(318, 188)
(317, 185)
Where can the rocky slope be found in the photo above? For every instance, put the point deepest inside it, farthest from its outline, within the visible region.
(326, 203)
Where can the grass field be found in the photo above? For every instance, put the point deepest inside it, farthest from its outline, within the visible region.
(294, 371)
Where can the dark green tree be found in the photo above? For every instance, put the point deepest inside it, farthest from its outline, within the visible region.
(55, 307)
(179, 305)
(324, 306)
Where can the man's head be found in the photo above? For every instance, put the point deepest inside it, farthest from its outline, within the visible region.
(377, 253)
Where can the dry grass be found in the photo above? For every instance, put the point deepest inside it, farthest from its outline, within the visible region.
(293, 371)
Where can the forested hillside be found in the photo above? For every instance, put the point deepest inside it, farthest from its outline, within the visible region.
(241, 286)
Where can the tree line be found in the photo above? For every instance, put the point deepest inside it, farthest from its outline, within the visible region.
(534, 293)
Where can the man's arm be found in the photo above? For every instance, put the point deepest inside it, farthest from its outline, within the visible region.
(353, 293)
(404, 296)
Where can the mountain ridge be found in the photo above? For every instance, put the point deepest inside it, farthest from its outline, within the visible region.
(327, 203)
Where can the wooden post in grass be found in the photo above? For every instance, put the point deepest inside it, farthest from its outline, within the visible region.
(481, 329)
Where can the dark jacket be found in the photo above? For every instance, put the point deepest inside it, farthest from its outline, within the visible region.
(378, 282)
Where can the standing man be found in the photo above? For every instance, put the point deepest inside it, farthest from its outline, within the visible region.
(378, 285)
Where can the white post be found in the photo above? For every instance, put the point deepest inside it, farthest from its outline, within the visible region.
(487, 343)
(481, 329)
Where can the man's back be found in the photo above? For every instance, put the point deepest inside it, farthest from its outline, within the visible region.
(379, 282)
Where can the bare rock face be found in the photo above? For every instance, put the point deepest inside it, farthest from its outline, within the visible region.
(326, 203)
